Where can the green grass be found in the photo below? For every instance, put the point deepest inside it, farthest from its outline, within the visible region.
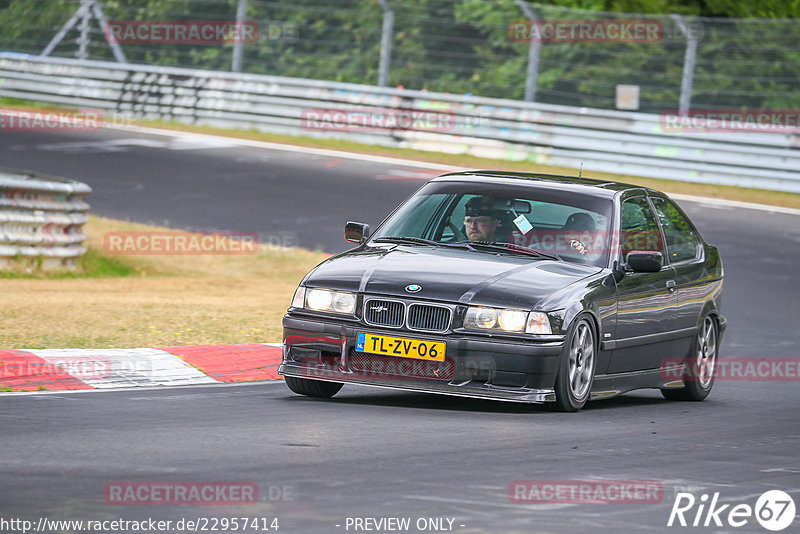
(93, 264)
(19, 102)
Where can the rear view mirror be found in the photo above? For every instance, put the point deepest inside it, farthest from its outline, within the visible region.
(644, 261)
(356, 232)
(514, 206)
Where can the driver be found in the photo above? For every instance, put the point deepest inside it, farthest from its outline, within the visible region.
(481, 220)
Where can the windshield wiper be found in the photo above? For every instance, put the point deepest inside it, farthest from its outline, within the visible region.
(510, 247)
(421, 241)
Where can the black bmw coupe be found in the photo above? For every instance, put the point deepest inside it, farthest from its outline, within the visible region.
(516, 287)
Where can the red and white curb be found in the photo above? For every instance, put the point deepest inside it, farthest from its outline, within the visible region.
(73, 369)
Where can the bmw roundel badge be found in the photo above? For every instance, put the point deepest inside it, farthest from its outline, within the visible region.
(413, 288)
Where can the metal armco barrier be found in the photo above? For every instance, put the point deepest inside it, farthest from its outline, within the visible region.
(41, 219)
(602, 140)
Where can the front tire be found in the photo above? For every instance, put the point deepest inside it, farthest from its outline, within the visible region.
(576, 370)
(313, 388)
(701, 365)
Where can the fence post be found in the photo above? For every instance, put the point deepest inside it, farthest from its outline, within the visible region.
(241, 15)
(386, 43)
(83, 40)
(688, 64)
(533, 54)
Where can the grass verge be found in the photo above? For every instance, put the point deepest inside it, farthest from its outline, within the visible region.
(150, 301)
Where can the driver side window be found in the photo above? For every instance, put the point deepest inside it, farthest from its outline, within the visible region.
(638, 228)
(453, 226)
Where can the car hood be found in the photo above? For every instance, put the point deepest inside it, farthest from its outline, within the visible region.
(449, 275)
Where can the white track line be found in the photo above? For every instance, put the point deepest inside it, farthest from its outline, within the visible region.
(223, 140)
(735, 204)
(289, 148)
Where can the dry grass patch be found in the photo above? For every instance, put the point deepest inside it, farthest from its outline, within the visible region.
(155, 301)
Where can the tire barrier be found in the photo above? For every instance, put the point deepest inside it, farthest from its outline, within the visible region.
(41, 220)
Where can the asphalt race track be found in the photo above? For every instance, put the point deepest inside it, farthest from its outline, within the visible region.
(296, 198)
(372, 453)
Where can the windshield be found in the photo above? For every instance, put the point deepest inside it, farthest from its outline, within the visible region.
(566, 225)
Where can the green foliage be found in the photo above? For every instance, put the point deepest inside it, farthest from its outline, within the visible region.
(766, 9)
(464, 46)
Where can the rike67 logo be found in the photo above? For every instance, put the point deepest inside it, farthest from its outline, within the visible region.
(774, 510)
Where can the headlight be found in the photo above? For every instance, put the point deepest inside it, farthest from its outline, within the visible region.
(319, 299)
(344, 302)
(325, 300)
(483, 318)
(512, 320)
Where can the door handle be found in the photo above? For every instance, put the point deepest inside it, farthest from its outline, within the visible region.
(671, 285)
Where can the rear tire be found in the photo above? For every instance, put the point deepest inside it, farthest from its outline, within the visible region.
(576, 369)
(701, 366)
(313, 388)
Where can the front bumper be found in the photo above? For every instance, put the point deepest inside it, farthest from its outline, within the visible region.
(477, 366)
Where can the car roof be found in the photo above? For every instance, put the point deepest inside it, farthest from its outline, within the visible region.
(588, 186)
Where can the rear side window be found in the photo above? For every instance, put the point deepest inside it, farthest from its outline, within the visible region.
(638, 227)
(682, 243)
(551, 215)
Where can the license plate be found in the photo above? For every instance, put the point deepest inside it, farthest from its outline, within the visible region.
(403, 347)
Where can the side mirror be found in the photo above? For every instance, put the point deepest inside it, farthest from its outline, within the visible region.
(356, 232)
(644, 261)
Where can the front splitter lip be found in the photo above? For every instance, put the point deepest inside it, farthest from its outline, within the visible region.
(467, 389)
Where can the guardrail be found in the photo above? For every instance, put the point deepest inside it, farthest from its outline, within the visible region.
(41, 219)
(600, 140)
